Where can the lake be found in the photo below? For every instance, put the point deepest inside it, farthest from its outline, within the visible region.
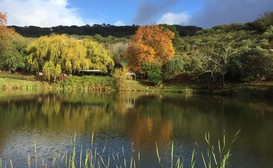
(45, 128)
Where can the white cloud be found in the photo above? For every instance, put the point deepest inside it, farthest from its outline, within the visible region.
(174, 18)
(119, 23)
(58, 2)
(44, 13)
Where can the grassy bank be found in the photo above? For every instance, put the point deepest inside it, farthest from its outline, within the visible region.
(11, 82)
(143, 86)
(106, 84)
(83, 84)
(86, 84)
(21, 82)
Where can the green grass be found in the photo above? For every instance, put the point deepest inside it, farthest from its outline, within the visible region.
(84, 84)
(17, 76)
(8, 83)
(19, 82)
(87, 84)
(143, 86)
(12, 81)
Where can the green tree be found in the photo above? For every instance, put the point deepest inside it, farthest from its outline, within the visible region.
(153, 71)
(13, 56)
(257, 61)
(120, 78)
(264, 22)
(12, 47)
(217, 52)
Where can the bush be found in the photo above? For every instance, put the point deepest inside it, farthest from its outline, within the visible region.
(153, 72)
(155, 78)
(120, 78)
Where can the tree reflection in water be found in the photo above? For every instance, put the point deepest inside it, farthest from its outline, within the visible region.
(123, 118)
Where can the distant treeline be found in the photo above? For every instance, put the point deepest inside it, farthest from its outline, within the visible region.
(102, 29)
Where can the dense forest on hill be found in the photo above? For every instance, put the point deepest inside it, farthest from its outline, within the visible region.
(103, 30)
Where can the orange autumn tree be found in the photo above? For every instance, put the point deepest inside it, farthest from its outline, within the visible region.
(3, 22)
(3, 19)
(150, 44)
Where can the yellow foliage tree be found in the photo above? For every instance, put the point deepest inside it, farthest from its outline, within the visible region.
(150, 44)
(52, 53)
(99, 57)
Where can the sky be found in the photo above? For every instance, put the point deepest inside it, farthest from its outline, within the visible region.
(203, 13)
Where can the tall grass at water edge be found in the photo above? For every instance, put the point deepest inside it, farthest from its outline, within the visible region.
(214, 156)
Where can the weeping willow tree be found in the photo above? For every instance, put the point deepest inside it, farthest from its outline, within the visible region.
(99, 57)
(56, 54)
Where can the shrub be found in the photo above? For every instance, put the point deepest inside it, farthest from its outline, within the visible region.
(153, 72)
(120, 78)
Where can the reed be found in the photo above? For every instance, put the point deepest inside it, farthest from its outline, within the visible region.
(157, 154)
(35, 155)
(215, 156)
(172, 151)
(218, 156)
(193, 157)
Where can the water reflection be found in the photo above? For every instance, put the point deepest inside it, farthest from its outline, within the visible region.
(120, 119)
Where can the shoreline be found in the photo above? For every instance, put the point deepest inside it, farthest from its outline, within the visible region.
(89, 84)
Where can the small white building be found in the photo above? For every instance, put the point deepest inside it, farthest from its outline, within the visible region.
(131, 75)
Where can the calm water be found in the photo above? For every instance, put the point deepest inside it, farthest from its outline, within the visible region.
(122, 122)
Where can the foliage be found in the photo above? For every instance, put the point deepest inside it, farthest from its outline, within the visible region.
(176, 66)
(219, 50)
(120, 78)
(103, 30)
(263, 23)
(3, 19)
(176, 37)
(153, 72)
(54, 50)
(51, 71)
(234, 52)
(115, 46)
(86, 84)
(12, 51)
(117, 51)
(68, 54)
(100, 58)
(12, 47)
(225, 52)
(150, 44)
(257, 64)
(137, 54)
